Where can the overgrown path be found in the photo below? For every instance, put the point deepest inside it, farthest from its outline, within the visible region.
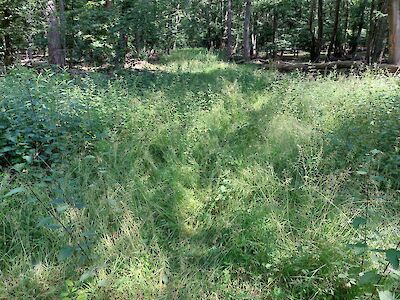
(199, 180)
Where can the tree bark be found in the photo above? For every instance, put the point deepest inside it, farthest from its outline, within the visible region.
(54, 36)
(334, 36)
(29, 51)
(378, 45)
(394, 32)
(246, 31)
(314, 53)
(371, 31)
(108, 4)
(63, 26)
(253, 40)
(8, 46)
(228, 29)
(274, 31)
(377, 31)
(355, 39)
(346, 19)
(320, 27)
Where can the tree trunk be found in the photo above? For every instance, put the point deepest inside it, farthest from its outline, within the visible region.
(381, 26)
(355, 39)
(108, 4)
(311, 28)
(246, 31)
(228, 29)
(29, 51)
(253, 38)
(346, 21)
(274, 31)
(254, 44)
(8, 47)
(63, 27)
(54, 36)
(394, 30)
(371, 31)
(320, 28)
(334, 36)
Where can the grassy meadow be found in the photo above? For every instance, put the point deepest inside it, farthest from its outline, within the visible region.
(198, 179)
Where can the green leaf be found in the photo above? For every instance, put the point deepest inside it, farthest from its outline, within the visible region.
(82, 296)
(15, 191)
(361, 172)
(65, 253)
(48, 222)
(386, 295)
(378, 178)
(45, 221)
(393, 257)
(357, 222)
(27, 158)
(62, 208)
(57, 201)
(102, 283)
(376, 151)
(19, 167)
(369, 278)
(88, 274)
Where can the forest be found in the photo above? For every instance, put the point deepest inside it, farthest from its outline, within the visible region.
(200, 149)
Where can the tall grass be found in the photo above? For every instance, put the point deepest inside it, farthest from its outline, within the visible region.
(209, 181)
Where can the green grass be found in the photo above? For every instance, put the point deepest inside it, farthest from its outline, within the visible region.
(206, 180)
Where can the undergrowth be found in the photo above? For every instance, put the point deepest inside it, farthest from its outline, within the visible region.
(199, 179)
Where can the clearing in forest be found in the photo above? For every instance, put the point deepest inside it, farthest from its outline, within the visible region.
(198, 179)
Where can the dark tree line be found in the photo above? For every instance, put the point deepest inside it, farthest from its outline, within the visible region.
(112, 31)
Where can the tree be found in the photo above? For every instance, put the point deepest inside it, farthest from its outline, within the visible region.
(8, 46)
(56, 47)
(110, 31)
(228, 29)
(334, 36)
(394, 29)
(358, 25)
(246, 30)
(377, 31)
(316, 34)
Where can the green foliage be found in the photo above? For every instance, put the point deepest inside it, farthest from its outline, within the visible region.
(211, 180)
(45, 117)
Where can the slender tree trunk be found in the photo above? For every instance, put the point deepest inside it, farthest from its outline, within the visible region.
(228, 29)
(316, 39)
(54, 36)
(253, 38)
(320, 28)
(274, 32)
(108, 4)
(7, 41)
(122, 46)
(381, 26)
(335, 30)
(29, 51)
(355, 39)
(246, 31)
(311, 29)
(371, 31)
(254, 44)
(394, 32)
(346, 19)
(209, 29)
(63, 27)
